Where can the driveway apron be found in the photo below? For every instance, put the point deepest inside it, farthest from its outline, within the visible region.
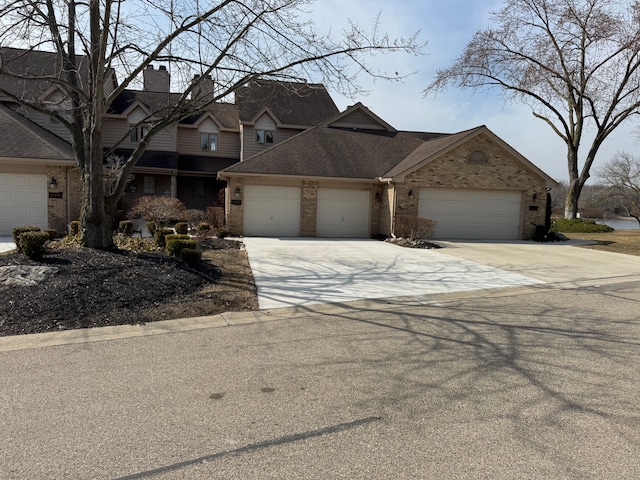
(302, 271)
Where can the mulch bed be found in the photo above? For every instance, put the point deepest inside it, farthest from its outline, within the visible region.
(93, 288)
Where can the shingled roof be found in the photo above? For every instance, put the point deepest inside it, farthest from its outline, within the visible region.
(24, 73)
(299, 104)
(21, 138)
(326, 151)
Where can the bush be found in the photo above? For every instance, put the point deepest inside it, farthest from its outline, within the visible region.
(161, 210)
(17, 231)
(203, 228)
(577, 225)
(191, 256)
(74, 228)
(182, 228)
(222, 232)
(193, 217)
(125, 227)
(52, 234)
(32, 243)
(413, 227)
(175, 243)
(135, 244)
(161, 234)
(152, 226)
(215, 216)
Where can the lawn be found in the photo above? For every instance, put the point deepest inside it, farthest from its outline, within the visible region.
(618, 241)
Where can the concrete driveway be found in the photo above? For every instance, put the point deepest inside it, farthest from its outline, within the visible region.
(6, 244)
(302, 271)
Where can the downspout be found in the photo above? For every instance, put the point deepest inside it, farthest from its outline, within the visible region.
(392, 206)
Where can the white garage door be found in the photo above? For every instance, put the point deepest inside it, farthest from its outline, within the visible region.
(271, 211)
(472, 214)
(343, 213)
(23, 201)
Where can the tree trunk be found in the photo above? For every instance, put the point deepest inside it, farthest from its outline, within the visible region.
(97, 215)
(575, 186)
(571, 202)
(96, 218)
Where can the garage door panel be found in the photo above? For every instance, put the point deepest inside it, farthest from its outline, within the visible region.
(472, 214)
(343, 213)
(272, 211)
(23, 200)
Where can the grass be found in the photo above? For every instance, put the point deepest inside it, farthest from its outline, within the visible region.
(618, 241)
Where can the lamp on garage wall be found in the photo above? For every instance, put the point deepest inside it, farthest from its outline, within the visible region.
(410, 194)
(53, 183)
(238, 192)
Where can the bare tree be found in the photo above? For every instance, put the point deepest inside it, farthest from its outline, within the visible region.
(102, 46)
(621, 175)
(574, 62)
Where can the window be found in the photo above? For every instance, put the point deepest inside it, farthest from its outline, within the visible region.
(477, 157)
(150, 185)
(264, 136)
(137, 133)
(209, 141)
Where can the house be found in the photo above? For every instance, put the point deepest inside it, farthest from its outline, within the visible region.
(351, 175)
(39, 181)
(290, 163)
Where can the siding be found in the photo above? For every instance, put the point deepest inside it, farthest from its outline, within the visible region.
(189, 143)
(46, 122)
(251, 147)
(115, 129)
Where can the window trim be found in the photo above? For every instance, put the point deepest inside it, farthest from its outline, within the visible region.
(206, 146)
(265, 136)
(138, 133)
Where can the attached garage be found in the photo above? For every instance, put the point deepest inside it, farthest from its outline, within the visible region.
(343, 213)
(356, 174)
(23, 201)
(472, 214)
(271, 211)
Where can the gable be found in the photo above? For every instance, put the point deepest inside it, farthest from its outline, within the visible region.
(136, 115)
(265, 122)
(208, 125)
(477, 164)
(477, 147)
(358, 119)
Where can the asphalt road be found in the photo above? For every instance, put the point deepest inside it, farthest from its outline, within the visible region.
(537, 382)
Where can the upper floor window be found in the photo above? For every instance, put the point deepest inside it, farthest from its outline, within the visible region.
(137, 133)
(265, 136)
(209, 141)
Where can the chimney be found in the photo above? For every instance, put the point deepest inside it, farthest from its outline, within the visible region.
(156, 80)
(202, 88)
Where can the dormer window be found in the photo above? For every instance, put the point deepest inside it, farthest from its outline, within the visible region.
(264, 136)
(209, 142)
(138, 133)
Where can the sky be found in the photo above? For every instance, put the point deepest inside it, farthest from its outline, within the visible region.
(447, 26)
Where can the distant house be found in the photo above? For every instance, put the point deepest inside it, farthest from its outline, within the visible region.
(39, 182)
(353, 174)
